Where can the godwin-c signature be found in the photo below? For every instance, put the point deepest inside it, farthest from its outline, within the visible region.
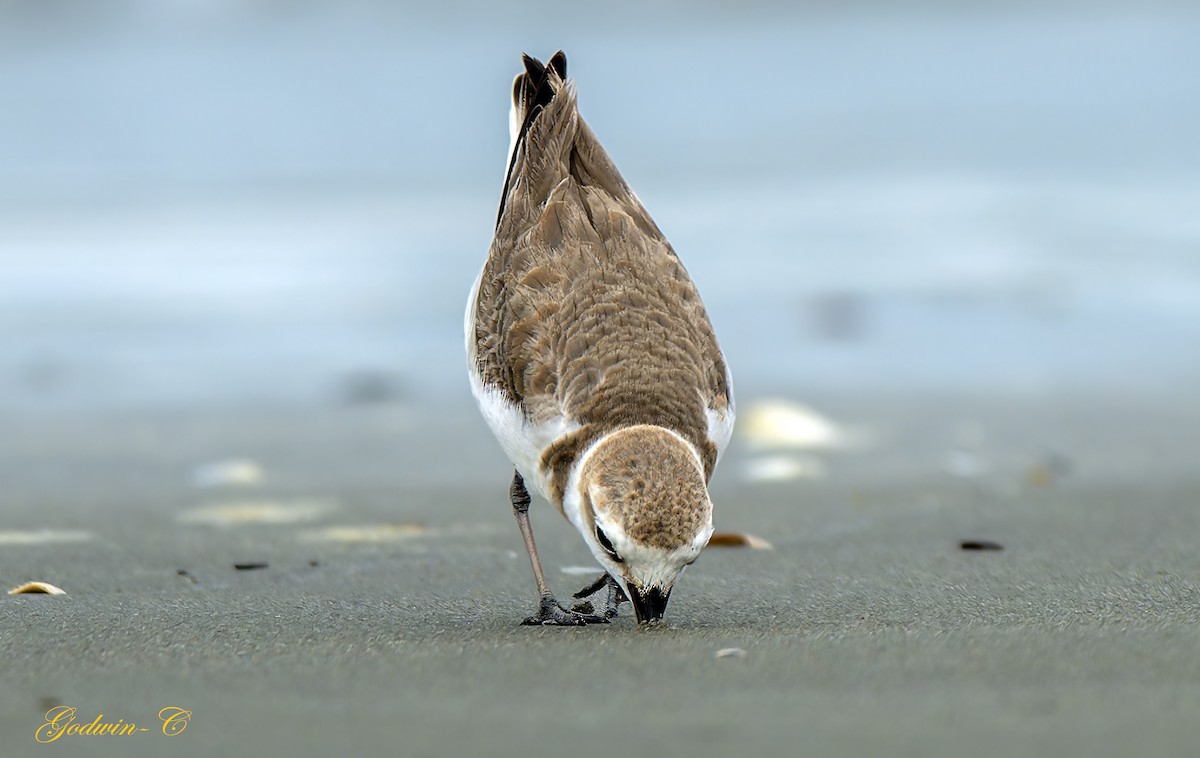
(62, 719)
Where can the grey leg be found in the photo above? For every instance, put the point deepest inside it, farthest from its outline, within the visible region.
(549, 613)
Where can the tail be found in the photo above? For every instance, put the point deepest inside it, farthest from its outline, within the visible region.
(550, 143)
(532, 93)
(532, 90)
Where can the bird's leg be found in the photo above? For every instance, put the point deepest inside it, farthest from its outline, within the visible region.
(549, 613)
(605, 591)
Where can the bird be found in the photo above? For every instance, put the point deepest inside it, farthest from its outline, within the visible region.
(594, 362)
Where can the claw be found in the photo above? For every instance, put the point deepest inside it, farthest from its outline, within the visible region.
(605, 591)
(594, 587)
(550, 613)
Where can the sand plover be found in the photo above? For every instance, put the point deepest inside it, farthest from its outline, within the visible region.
(594, 362)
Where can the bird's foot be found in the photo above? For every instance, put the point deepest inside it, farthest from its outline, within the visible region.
(550, 613)
(604, 593)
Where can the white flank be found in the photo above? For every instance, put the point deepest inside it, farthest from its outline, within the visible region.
(720, 425)
(720, 428)
(513, 128)
(523, 442)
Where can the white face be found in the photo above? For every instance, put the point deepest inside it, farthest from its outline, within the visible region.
(643, 566)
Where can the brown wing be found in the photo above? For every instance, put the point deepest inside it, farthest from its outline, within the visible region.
(584, 309)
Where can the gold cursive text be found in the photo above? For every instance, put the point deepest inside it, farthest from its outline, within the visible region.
(174, 719)
(62, 719)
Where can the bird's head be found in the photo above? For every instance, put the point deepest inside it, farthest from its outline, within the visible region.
(644, 510)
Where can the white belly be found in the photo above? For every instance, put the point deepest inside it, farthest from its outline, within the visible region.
(522, 441)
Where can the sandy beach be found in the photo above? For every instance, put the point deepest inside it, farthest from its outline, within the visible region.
(385, 617)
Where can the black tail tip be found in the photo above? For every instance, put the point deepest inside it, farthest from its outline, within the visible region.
(533, 68)
(537, 78)
(558, 62)
(536, 69)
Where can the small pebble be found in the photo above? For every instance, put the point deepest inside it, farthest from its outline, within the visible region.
(731, 652)
(371, 387)
(37, 588)
(227, 473)
(782, 424)
(581, 570)
(738, 539)
(963, 463)
(777, 468)
(239, 512)
(980, 545)
(365, 533)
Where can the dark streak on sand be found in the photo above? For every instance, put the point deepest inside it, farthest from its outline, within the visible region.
(980, 545)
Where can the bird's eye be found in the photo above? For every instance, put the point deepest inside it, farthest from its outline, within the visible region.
(606, 543)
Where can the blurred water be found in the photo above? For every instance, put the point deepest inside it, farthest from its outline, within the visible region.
(253, 202)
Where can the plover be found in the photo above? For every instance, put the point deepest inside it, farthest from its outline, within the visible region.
(593, 360)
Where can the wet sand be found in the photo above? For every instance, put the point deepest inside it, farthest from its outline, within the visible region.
(385, 619)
